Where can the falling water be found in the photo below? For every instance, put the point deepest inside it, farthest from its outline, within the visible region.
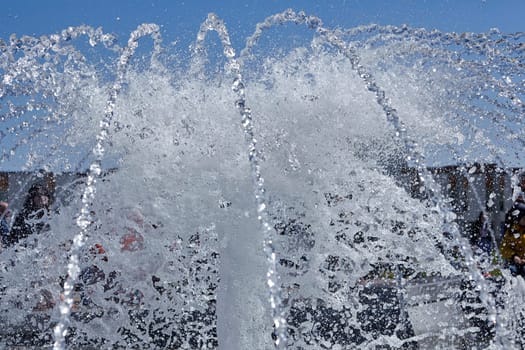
(260, 197)
(154, 241)
(88, 196)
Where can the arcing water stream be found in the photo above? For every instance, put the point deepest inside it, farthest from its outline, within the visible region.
(167, 230)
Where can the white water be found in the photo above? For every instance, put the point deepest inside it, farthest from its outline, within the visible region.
(177, 153)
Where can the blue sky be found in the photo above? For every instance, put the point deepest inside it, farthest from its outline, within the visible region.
(180, 20)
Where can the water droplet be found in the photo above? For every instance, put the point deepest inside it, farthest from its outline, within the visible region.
(7, 80)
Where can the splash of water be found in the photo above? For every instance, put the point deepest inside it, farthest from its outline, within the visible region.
(410, 146)
(332, 209)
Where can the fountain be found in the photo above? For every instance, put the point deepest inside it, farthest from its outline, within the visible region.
(328, 226)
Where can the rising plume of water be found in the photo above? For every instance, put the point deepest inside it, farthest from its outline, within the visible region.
(268, 230)
(333, 128)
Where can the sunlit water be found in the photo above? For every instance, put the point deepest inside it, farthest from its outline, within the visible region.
(258, 198)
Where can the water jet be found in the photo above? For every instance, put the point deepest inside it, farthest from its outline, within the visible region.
(264, 200)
